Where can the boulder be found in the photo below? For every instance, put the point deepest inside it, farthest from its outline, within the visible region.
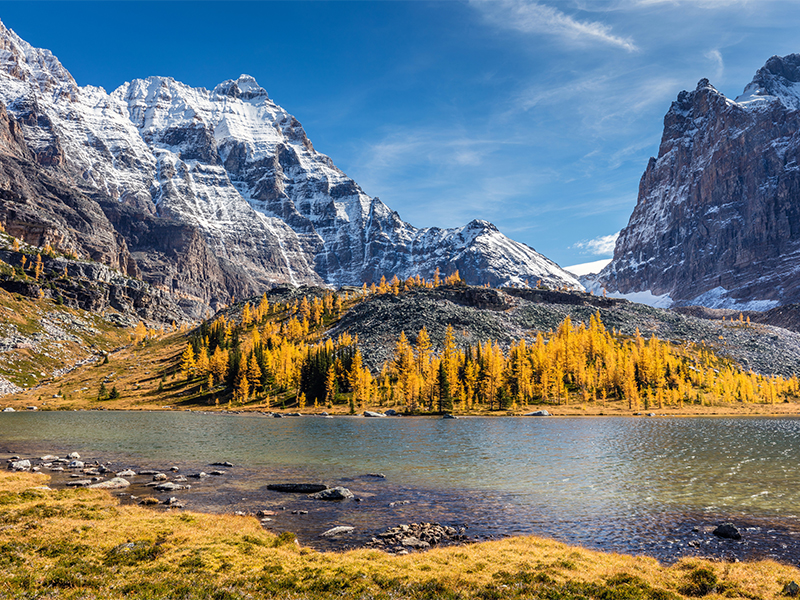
(127, 473)
(371, 413)
(449, 416)
(116, 483)
(727, 531)
(74, 456)
(20, 465)
(221, 464)
(297, 488)
(159, 477)
(8, 409)
(336, 493)
(75, 464)
(537, 413)
(412, 542)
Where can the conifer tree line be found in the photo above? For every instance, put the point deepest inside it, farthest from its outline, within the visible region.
(276, 353)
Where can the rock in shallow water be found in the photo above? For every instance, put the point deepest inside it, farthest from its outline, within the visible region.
(728, 531)
(337, 531)
(297, 488)
(116, 483)
(169, 486)
(336, 493)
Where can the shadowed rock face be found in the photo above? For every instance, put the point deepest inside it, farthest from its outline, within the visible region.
(717, 221)
(212, 194)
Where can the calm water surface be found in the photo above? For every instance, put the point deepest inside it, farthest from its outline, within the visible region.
(631, 485)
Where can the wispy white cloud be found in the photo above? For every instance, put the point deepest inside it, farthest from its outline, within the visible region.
(715, 56)
(535, 17)
(712, 4)
(600, 246)
(431, 146)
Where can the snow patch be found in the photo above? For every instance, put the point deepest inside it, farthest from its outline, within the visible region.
(645, 297)
(588, 268)
(718, 298)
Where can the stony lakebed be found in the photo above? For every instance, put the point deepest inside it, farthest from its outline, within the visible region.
(369, 513)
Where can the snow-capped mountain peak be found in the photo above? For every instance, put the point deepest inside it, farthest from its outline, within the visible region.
(778, 79)
(241, 171)
(717, 222)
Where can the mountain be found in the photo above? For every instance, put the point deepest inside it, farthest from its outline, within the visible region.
(717, 220)
(213, 194)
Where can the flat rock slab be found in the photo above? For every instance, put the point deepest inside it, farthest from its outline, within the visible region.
(337, 531)
(371, 413)
(297, 488)
(537, 413)
(116, 483)
(79, 483)
(168, 486)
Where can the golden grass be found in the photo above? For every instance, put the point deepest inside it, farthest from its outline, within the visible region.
(83, 544)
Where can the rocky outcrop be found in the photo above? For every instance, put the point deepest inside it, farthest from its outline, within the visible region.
(90, 286)
(210, 194)
(717, 221)
(378, 321)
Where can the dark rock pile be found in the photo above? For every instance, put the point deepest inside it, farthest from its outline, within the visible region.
(418, 536)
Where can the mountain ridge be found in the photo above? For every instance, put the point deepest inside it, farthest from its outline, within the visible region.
(240, 171)
(717, 221)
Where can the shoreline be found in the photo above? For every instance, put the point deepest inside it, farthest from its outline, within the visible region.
(99, 548)
(570, 410)
(379, 506)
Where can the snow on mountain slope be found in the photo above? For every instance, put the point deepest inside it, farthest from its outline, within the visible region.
(717, 221)
(240, 169)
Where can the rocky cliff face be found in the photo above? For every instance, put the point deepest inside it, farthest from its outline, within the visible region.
(717, 221)
(217, 193)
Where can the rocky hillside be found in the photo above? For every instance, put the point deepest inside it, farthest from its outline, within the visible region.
(209, 194)
(478, 314)
(717, 221)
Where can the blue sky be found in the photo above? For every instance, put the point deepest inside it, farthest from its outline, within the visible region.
(538, 116)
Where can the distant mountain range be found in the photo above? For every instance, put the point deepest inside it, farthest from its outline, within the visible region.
(209, 194)
(717, 221)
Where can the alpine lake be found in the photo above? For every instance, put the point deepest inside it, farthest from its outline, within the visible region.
(645, 485)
